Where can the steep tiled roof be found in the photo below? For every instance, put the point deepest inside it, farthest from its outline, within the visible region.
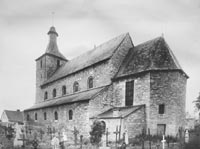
(14, 116)
(98, 54)
(151, 55)
(77, 97)
(123, 112)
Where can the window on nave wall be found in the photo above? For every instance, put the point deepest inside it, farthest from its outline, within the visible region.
(45, 116)
(54, 92)
(64, 91)
(45, 95)
(56, 115)
(36, 116)
(28, 117)
(76, 87)
(70, 114)
(90, 82)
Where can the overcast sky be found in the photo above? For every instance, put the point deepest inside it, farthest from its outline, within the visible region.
(81, 24)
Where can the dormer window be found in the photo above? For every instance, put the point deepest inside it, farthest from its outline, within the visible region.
(54, 92)
(76, 87)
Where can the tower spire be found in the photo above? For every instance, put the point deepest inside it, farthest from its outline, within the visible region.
(52, 47)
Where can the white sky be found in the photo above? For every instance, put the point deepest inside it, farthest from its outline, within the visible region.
(81, 24)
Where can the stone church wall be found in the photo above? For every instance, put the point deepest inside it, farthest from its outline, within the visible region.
(141, 90)
(135, 122)
(49, 66)
(167, 88)
(101, 102)
(100, 73)
(80, 119)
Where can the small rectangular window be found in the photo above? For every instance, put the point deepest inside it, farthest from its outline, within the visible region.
(129, 93)
(161, 109)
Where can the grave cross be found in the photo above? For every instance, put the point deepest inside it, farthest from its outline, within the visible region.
(81, 141)
(163, 142)
(76, 132)
(107, 133)
(49, 131)
(149, 138)
(23, 140)
(116, 133)
(119, 132)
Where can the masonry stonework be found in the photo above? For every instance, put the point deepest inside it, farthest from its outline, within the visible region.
(157, 76)
(168, 88)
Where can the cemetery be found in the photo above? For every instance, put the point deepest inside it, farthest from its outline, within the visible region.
(99, 138)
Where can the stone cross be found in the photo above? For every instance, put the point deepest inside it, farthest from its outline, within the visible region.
(76, 132)
(23, 140)
(163, 142)
(81, 141)
(116, 133)
(107, 133)
(119, 133)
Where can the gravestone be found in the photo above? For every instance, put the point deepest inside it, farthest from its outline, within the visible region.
(186, 136)
(55, 142)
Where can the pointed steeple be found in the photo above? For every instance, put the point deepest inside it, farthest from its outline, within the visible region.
(52, 47)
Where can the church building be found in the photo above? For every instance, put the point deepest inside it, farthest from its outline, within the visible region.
(132, 87)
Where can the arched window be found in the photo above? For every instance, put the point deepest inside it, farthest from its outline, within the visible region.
(45, 116)
(56, 115)
(58, 63)
(54, 92)
(41, 63)
(76, 87)
(28, 117)
(63, 90)
(90, 82)
(104, 126)
(70, 114)
(36, 116)
(45, 95)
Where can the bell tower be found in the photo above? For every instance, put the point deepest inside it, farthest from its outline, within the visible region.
(48, 63)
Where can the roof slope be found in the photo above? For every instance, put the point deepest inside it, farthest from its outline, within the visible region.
(123, 112)
(76, 97)
(151, 55)
(98, 54)
(14, 116)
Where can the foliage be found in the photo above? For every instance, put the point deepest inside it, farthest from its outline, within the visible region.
(197, 102)
(97, 129)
